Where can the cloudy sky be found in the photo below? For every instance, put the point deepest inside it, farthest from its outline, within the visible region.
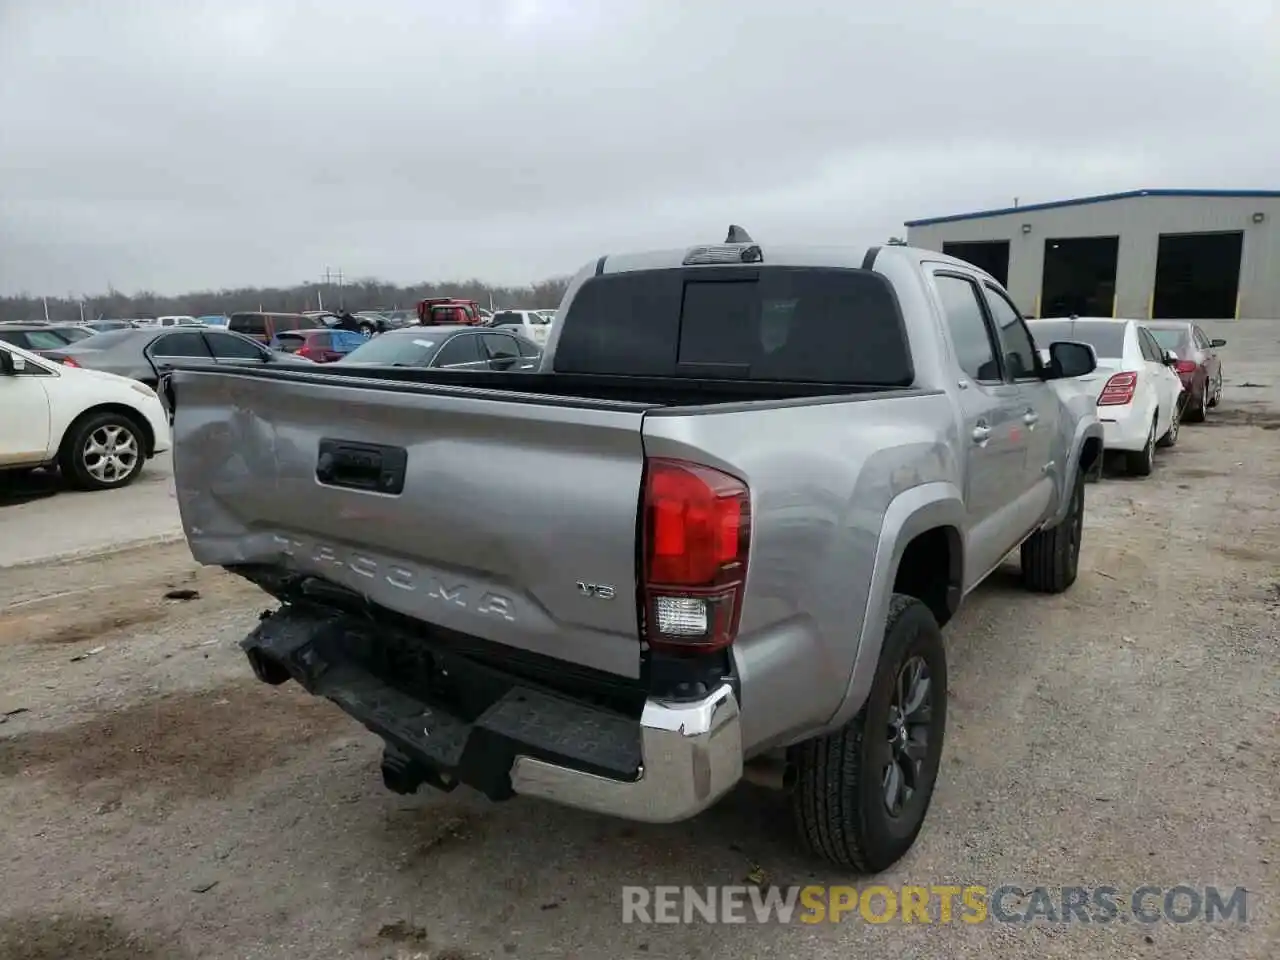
(186, 144)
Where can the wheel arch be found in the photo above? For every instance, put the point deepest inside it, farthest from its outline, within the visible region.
(917, 522)
(121, 409)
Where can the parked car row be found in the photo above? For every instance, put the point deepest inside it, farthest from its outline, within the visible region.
(1151, 376)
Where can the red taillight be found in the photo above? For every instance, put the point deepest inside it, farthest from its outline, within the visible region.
(68, 362)
(305, 351)
(1119, 390)
(1185, 366)
(697, 533)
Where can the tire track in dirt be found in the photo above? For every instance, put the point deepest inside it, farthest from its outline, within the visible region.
(61, 937)
(190, 744)
(87, 599)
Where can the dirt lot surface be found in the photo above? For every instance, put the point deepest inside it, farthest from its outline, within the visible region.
(159, 803)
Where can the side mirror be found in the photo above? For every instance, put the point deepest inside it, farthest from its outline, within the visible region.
(1170, 358)
(1217, 342)
(1069, 358)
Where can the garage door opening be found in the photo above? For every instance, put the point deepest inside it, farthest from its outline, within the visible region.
(989, 255)
(1079, 277)
(1197, 276)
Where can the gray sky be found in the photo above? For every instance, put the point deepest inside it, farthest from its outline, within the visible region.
(181, 144)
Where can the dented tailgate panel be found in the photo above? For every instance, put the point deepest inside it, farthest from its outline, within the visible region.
(505, 506)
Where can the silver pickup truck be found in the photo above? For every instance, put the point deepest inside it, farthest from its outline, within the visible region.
(719, 528)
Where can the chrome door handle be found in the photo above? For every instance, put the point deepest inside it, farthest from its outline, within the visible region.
(981, 433)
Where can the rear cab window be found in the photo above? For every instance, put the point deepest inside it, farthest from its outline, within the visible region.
(786, 324)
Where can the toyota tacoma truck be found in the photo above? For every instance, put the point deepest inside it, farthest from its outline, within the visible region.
(718, 529)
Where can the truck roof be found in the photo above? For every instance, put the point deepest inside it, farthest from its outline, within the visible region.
(780, 255)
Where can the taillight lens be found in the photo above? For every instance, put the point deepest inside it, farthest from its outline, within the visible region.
(68, 362)
(697, 535)
(1185, 366)
(1119, 390)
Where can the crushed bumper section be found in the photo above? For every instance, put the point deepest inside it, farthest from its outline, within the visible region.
(454, 721)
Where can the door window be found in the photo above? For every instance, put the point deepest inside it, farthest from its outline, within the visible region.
(1019, 352)
(462, 350)
(528, 349)
(1150, 349)
(181, 345)
(502, 350)
(227, 346)
(970, 335)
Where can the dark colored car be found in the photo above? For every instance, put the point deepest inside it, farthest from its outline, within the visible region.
(40, 338)
(1198, 365)
(319, 346)
(263, 326)
(104, 325)
(145, 353)
(455, 347)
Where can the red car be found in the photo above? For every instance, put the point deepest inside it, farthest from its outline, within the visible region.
(438, 311)
(1198, 365)
(320, 346)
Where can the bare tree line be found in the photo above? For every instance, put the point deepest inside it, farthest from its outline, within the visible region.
(365, 294)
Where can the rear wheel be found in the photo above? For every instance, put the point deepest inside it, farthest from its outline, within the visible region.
(1171, 436)
(862, 792)
(1140, 463)
(101, 451)
(367, 330)
(1051, 558)
(1216, 396)
(1197, 406)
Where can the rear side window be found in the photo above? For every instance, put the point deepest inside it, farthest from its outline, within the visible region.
(254, 324)
(225, 346)
(769, 323)
(970, 335)
(290, 342)
(180, 345)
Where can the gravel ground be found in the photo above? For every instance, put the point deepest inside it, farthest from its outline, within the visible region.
(158, 803)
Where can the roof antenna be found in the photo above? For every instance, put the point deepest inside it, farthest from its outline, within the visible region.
(738, 235)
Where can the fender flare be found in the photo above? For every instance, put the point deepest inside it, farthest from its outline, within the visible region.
(1086, 430)
(909, 514)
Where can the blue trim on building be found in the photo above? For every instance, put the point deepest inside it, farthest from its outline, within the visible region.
(1102, 198)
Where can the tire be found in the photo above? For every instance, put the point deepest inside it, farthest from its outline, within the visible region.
(1171, 435)
(367, 330)
(1051, 558)
(1215, 396)
(1197, 407)
(838, 802)
(120, 441)
(1140, 463)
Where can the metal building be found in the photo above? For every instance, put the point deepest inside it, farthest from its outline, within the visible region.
(1184, 254)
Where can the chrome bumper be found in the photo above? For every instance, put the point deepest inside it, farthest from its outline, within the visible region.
(691, 757)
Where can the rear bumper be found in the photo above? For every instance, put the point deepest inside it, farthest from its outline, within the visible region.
(672, 763)
(1123, 428)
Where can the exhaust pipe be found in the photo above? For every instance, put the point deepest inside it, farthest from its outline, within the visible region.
(772, 773)
(265, 669)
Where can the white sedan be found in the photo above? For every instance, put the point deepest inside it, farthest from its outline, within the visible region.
(97, 427)
(1137, 391)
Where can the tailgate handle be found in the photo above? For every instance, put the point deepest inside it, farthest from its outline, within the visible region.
(361, 466)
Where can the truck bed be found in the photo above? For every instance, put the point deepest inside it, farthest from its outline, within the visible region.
(476, 504)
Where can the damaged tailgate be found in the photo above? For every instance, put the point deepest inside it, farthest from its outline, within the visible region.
(484, 512)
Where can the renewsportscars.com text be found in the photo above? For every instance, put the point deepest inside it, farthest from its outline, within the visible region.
(935, 904)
